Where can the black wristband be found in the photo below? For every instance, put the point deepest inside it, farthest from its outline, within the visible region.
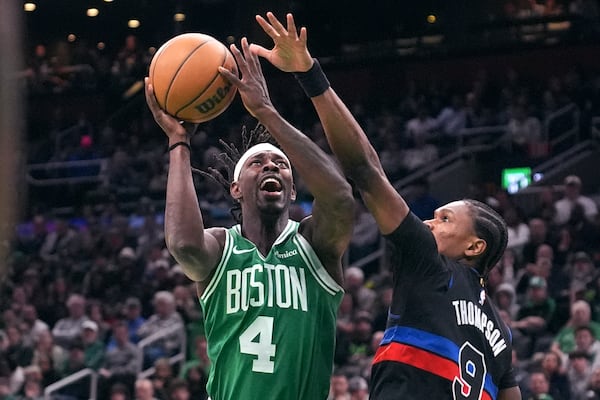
(313, 82)
(185, 144)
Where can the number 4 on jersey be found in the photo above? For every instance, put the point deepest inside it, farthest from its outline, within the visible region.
(257, 340)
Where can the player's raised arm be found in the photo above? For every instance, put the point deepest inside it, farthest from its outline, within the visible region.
(348, 141)
(194, 248)
(330, 228)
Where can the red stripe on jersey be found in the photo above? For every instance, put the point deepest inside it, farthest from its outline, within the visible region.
(421, 359)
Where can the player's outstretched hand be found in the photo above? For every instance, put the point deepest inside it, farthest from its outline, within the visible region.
(289, 53)
(173, 128)
(251, 86)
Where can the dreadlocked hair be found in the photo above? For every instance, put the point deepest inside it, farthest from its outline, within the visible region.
(489, 226)
(226, 161)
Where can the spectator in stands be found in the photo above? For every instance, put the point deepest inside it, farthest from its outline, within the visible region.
(100, 278)
(579, 371)
(186, 302)
(68, 329)
(130, 64)
(339, 387)
(345, 316)
(133, 317)
(593, 389)
(46, 348)
(476, 114)
(365, 238)
(523, 129)
(50, 373)
(360, 343)
(18, 300)
(196, 379)
(538, 386)
(536, 314)
(584, 235)
(61, 245)
(162, 377)
(552, 365)
(159, 281)
(179, 390)
(538, 235)
(118, 391)
(75, 362)
(451, 119)
(358, 388)
(36, 326)
(419, 155)
(421, 125)
(5, 391)
(510, 267)
(165, 316)
(380, 310)
(354, 284)
(573, 196)
(518, 230)
(130, 270)
(520, 368)
(544, 266)
(586, 342)
(144, 390)
(96, 313)
(581, 272)
(580, 315)
(17, 353)
(544, 205)
(505, 299)
(93, 347)
(121, 363)
(198, 359)
(32, 390)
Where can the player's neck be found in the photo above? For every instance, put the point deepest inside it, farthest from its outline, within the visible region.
(263, 230)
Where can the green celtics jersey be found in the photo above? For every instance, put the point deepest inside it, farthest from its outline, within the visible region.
(270, 321)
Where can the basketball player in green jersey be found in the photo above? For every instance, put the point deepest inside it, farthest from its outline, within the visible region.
(269, 287)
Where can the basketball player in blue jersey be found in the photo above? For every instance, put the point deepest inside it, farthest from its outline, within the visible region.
(444, 338)
(269, 287)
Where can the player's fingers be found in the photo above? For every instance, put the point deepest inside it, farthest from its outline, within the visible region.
(279, 28)
(269, 30)
(229, 76)
(251, 58)
(260, 51)
(150, 98)
(303, 35)
(291, 25)
(241, 61)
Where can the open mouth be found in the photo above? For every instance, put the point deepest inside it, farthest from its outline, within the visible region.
(271, 185)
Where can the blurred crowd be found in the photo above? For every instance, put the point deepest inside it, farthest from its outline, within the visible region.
(87, 288)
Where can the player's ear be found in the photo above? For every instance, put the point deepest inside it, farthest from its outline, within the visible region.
(293, 193)
(235, 191)
(476, 247)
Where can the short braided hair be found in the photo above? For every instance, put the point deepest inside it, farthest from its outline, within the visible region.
(227, 160)
(489, 226)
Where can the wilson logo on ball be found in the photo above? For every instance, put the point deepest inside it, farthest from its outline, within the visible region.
(214, 101)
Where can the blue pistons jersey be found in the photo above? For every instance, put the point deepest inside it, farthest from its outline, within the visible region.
(444, 338)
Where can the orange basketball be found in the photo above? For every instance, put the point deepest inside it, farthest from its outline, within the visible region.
(186, 81)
